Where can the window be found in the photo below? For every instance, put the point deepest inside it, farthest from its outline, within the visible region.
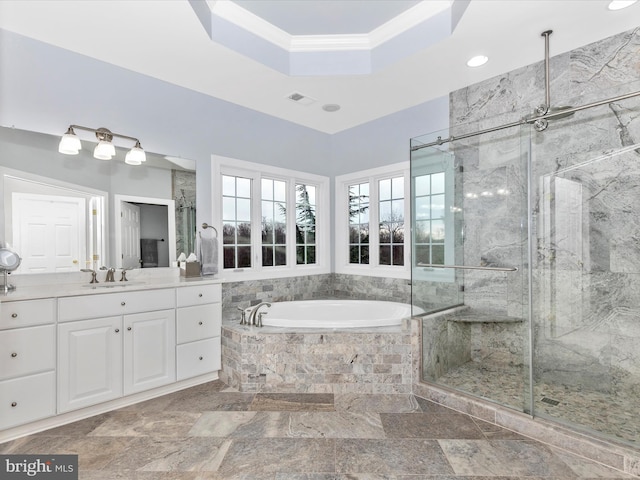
(370, 222)
(391, 220)
(359, 223)
(236, 221)
(432, 175)
(430, 215)
(305, 224)
(275, 222)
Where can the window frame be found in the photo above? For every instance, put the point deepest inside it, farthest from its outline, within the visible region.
(256, 172)
(373, 268)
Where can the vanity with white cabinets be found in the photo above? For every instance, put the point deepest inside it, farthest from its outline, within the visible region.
(79, 351)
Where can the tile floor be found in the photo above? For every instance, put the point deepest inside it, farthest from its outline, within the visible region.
(213, 432)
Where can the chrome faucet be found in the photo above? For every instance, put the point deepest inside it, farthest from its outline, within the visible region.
(110, 274)
(124, 278)
(93, 274)
(252, 315)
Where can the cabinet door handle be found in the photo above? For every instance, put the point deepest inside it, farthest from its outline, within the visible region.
(14, 315)
(14, 355)
(200, 295)
(199, 323)
(14, 404)
(129, 328)
(117, 330)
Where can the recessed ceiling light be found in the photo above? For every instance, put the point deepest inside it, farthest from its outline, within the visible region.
(331, 107)
(620, 4)
(477, 61)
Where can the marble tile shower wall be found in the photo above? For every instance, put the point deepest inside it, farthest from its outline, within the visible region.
(310, 287)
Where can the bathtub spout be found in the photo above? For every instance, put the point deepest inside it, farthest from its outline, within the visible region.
(252, 315)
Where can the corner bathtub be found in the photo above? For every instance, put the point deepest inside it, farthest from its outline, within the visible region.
(336, 314)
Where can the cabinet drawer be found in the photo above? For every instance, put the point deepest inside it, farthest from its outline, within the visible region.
(198, 323)
(197, 358)
(26, 399)
(26, 313)
(198, 295)
(27, 350)
(108, 304)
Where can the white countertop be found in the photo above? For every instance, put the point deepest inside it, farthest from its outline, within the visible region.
(32, 287)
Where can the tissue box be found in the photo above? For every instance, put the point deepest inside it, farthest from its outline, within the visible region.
(189, 269)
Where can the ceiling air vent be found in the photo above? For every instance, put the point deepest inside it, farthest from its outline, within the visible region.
(300, 99)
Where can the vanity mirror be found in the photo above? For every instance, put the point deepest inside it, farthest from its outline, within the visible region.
(59, 212)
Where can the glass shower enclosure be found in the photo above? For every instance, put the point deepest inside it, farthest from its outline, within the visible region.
(537, 307)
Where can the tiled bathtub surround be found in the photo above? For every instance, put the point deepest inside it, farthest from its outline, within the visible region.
(272, 359)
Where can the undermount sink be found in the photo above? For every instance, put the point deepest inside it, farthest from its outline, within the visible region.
(113, 284)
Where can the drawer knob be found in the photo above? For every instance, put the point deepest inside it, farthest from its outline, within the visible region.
(14, 315)
(14, 404)
(129, 328)
(199, 323)
(117, 330)
(14, 355)
(200, 358)
(199, 295)
(123, 303)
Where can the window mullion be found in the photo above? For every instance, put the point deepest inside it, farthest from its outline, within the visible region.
(374, 223)
(256, 221)
(291, 222)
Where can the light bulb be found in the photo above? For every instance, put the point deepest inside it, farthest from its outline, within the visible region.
(69, 143)
(104, 150)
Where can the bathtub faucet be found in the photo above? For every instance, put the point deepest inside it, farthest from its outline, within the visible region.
(253, 320)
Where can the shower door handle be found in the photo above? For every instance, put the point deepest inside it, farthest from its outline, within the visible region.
(469, 267)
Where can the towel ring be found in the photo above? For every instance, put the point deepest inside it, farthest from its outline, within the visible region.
(206, 225)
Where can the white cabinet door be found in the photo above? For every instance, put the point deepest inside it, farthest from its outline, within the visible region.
(149, 350)
(89, 362)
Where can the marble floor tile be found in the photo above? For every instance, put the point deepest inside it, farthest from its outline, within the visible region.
(504, 457)
(390, 456)
(242, 425)
(379, 402)
(323, 402)
(208, 401)
(427, 406)
(137, 424)
(166, 454)
(273, 455)
(81, 427)
(210, 432)
(496, 432)
(335, 425)
(430, 425)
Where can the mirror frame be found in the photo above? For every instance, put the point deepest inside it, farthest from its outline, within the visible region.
(171, 222)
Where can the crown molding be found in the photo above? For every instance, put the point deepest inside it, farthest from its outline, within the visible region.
(246, 20)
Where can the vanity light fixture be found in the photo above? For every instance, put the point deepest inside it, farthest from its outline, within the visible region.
(105, 150)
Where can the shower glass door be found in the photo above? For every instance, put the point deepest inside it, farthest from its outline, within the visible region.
(474, 223)
(586, 274)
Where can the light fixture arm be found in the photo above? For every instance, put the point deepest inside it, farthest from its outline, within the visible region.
(104, 133)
